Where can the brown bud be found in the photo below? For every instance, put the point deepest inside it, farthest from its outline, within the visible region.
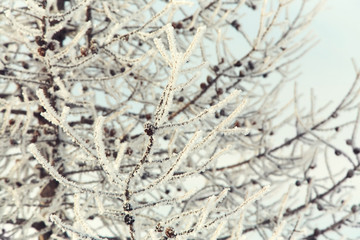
(350, 173)
(159, 228)
(149, 129)
(84, 51)
(25, 65)
(179, 25)
(51, 46)
(241, 74)
(40, 41)
(337, 152)
(203, 86)
(49, 189)
(128, 219)
(38, 225)
(33, 139)
(320, 207)
(42, 51)
(108, 152)
(235, 24)
(356, 150)
(251, 65)
(238, 64)
(170, 232)
(112, 132)
(353, 208)
(127, 207)
(94, 47)
(148, 116)
(129, 151)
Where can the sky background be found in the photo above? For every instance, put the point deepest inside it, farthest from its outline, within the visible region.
(328, 68)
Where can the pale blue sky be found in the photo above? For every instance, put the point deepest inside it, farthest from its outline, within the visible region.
(327, 67)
